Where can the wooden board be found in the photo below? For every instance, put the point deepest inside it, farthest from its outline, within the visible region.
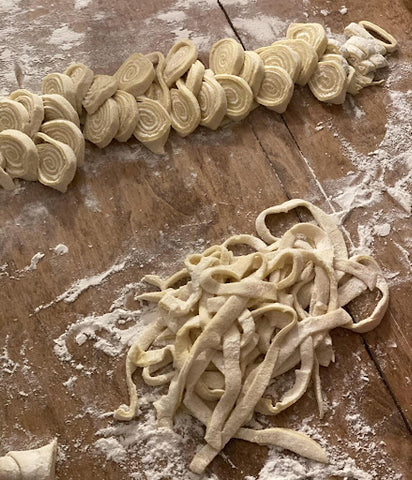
(127, 205)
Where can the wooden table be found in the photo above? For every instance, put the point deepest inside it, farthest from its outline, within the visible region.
(128, 205)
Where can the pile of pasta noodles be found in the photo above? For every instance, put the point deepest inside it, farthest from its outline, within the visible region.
(43, 137)
(228, 326)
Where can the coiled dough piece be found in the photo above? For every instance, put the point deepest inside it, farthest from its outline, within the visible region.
(57, 162)
(356, 81)
(62, 85)
(329, 82)
(194, 77)
(135, 75)
(185, 110)
(380, 35)
(36, 464)
(153, 126)
(158, 90)
(212, 101)
(276, 89)
(34, 106)
(253, 71)
(307, 55)
(178, 60)
(13, 116)
(6, 181)
(66, 132)
(128, 115)
(226, 56)
(279, 55)
(101, 126)
(20, 158)
(82, 78)
(56, 106)
(239, 96)
(102, 88)
(312, 33)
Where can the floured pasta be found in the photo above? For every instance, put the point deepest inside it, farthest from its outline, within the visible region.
(228, 325)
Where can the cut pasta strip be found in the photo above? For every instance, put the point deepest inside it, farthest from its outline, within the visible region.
(239, 96)
(13, 116)
(194, 77)
(280, 55)
(57, 107)
(34, 106)
(253, 71)
(276, 89)
(57, 162)
(66, 132)
(178, 60)
(19, 155)
(307, 55)
(312, 33)
(62, 85)
(329, 82)
(153, 126)
(82, 78)
(102, 88)
(128, 115)
(226, 57)
(212, 101)
(185, 110)
(158, 90)
(101, 126)
(135, 75)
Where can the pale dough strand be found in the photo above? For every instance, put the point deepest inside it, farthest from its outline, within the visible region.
(185, 110)
(101, 126)
(34, 106)
(66, 132)
(13, 116)
(135, 75)
(19, 155)
(62, 85)
(226, 57)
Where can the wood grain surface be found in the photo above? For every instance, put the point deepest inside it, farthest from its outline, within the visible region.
(128, 205)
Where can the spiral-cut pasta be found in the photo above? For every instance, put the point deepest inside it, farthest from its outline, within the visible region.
(13, 116)
(158, 90)
(212, 101)
(101, 126)
(66, 132)
(82, 78)
(19, 154)
(239, 96)
(34, 106)
(253, 71)
(128, 115)
(307, 55)
(153, 126)
(178, 60)
(194, 77)
(102, 88)
(57, 162)
(185, 110)
(62, 85)
(226, 56)
(135, 74)
(56, 106)
(6, 181)
(312, 33)
(280, 55)
(276, 89)
(329, 82)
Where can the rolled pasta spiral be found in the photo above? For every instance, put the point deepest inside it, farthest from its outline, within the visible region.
(312, 33)
(158, 90)
(280, 55)
(57, 162)
(56, 106)
(135, 75)
(62, 85)
(194, 77)
(101, 126)
(82, 78)
(34, 106)
(19, 154)
(13, 116)
(102, 88)
(276, 89)
(185, 110)
(212, 101)
(253, 71)
(178, 60)
(239, 96)
(329, 82)
(66, 132)
(153, 126)
(227, 57)
(128, 115)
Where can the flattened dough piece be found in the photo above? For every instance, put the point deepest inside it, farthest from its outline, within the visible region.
(212, 101)
(34, 106)
(312, 33)
(226, 56)
(135, 75)
(276, 89)
(19, 155)
(68, 133)
(128, 115)
(253, 71)
(13, 116)
(280, 55)
(239, 96)
(102, 88)
(101, 126)
(82, 77)
(185, 110)
(61, 84)
(178, 60)
(56, 106)
(329, 82)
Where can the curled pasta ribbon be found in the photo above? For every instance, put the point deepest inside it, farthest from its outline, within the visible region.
(226, 57)
(20, 159)
(356, 81)
(34, 106)
(6, 181)
(312, 33)
(212, 101)
(276, 89)
(158, 90)
(57, 162)
(56, 106)
(280, 55)
(101, 126)
(128, 115)
(239, 96)
(307, 55)
(82, 78)
(13, 116)
(62, 85)
(102, 88)
(36, 464)
(194, 77)
(253, 71)
(329, 82)
(185, 109)
(378, 33)
(178, 61)
(153, 126)
(66, 132)
(135, 75)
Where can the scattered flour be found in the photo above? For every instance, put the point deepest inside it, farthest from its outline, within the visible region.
(65, 38)
(80, 4)
(262, 29)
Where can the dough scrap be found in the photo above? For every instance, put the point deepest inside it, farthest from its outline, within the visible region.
(82, 78)
(226, 57)
(101, 126)
(56, 106)
(19, 155)
(34, 106)
(102, 88)
(178, 60)
(185, 110)
(62, 85)
(128, 115)
(66, 132)
(276, 90)
(228, 325)
(13, 116)
(135, 75)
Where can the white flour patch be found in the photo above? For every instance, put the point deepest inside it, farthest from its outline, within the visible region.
(172, 17)
(80, 4)
(34, 262)
(262, 29)
(65, 38)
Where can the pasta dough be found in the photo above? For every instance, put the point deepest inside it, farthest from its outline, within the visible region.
(135, 74)
(13, 116)
(101, 89)
(101, 126)
(34, 106)
(61, 84)
(56, 106)
(228, 325)
(19, 155)
(66, 132)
